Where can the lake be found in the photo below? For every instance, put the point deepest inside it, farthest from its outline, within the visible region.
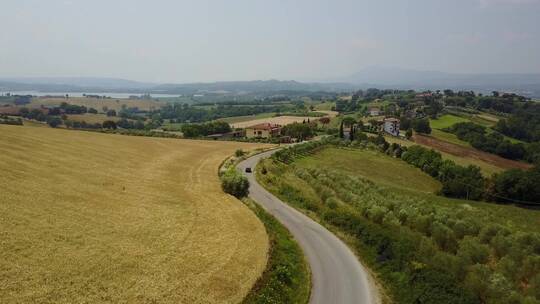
(80, 94)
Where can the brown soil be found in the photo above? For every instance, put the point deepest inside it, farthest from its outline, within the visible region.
(469, 152)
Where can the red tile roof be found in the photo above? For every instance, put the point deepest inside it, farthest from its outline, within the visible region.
(10, 110)
(264, 126)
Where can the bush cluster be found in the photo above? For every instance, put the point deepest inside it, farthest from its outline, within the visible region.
(234, 183)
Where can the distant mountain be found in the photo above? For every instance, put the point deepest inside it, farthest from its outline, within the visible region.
(406, 78)
(378, 77)
(251, 87)
(94, 82)
(112, 85)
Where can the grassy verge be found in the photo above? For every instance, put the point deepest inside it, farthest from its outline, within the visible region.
(286, 278)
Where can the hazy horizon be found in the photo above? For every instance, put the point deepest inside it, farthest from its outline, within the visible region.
(205, 41)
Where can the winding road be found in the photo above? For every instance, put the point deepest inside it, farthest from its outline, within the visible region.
(337, 275)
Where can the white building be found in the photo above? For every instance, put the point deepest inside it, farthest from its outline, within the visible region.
(391, 126)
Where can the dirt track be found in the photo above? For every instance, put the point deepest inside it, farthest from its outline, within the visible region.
(468, 152)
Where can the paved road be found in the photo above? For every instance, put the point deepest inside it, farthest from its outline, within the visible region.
(337, 276)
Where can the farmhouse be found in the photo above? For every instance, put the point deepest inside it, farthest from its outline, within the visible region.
(374, 111)
(263, 130)
(391, 126)
(233, 134)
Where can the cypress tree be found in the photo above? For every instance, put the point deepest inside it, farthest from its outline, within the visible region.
(341, 135)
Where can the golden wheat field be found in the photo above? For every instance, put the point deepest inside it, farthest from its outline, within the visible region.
(280, 120)
(98, 218)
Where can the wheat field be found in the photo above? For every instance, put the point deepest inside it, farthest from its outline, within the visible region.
(98, 218)
(279, 120)
(98, 104)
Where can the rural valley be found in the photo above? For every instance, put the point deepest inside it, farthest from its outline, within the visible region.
(270, 152)
(407, 180)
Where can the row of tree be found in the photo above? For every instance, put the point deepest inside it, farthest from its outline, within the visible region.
(181, 113)
(300, 131)
(205, 129)
(457, 181)
(523, 124)
(494, 142)
(512, 186)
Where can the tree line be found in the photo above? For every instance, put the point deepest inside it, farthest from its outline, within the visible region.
(204, 129)
(180, 113)
(494, 142)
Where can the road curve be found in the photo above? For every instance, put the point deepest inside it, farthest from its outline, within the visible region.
(337, 276)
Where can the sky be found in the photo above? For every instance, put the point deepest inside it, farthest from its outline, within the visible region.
(190, 41)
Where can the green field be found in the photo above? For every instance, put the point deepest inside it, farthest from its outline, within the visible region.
(425, 248)
(170, 126)
(98, 103)
(448, 137)
(324, 106)
(485, 119)
(373, 166)
(446, 121)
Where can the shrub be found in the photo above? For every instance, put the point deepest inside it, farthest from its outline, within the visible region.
(109, 124)
(54, 121)
(234, 183)
(473, 251)
(421, 126)
(239, 153)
